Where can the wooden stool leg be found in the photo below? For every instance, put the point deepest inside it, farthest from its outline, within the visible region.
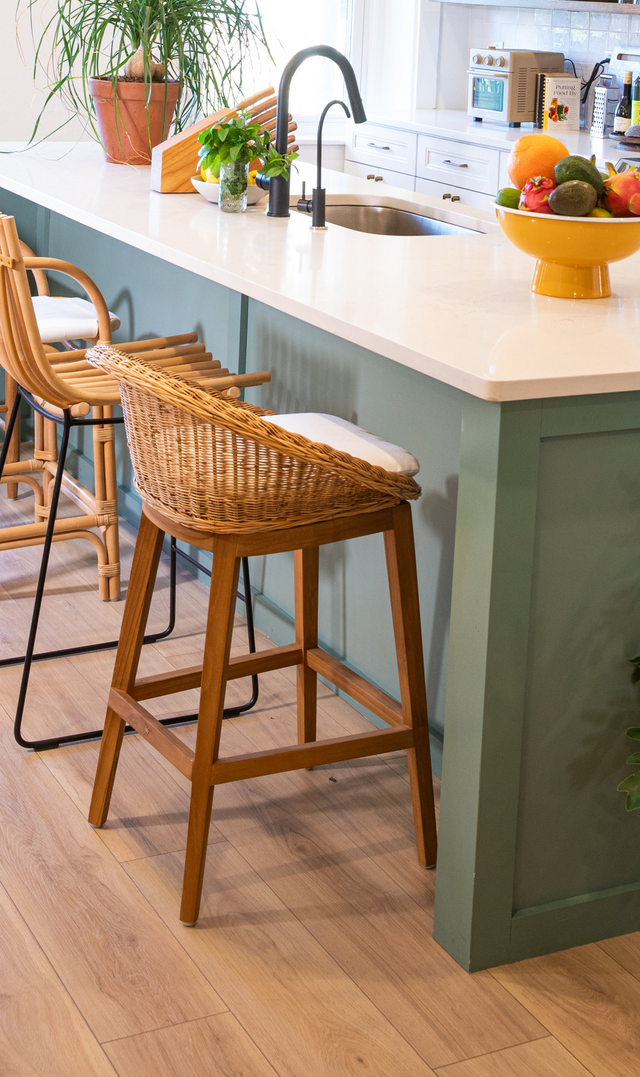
(134, 621)
(306, 610)
(222, 602)
(405, 607)
(14, 448)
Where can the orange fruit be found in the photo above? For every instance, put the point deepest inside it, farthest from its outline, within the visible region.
(534, 155)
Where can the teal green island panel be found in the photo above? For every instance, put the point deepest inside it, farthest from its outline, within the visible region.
(527, 538)
(536, 850)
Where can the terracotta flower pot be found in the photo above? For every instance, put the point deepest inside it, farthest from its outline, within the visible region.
(123, 130)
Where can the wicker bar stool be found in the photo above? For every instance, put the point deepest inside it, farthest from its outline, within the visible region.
(62, 388)
(214, 473)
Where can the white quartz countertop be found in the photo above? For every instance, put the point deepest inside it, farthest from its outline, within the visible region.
(456, 308)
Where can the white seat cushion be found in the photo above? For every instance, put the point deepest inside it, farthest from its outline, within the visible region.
(62, 318)
(346, 437)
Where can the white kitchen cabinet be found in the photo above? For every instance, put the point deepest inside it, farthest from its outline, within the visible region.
(383, 147)
(385, 45)
(446, 191)
(472, 167)
(503, 175)
(376, 175)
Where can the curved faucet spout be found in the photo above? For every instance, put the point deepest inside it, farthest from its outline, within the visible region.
(279, 186)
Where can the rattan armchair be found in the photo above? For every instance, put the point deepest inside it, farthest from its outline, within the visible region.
(215, 474)
(62, 387)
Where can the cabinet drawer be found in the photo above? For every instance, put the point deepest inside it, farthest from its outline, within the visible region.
(375, 175)
(503, 175)
(475, 168)
(383, 147)
(447, 190)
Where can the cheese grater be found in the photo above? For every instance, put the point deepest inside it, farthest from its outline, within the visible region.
(605, 101)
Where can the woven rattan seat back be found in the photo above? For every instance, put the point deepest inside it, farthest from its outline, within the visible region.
(22, 353)
(211, 463)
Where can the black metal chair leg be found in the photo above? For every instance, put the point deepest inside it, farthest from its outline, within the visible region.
(44, 564)
(30, 656)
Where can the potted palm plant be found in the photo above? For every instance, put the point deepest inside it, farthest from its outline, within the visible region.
(133, 68)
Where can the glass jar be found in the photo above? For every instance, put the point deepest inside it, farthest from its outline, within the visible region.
(234, 176)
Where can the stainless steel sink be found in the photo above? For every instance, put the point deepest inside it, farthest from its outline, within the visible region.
(388, 221)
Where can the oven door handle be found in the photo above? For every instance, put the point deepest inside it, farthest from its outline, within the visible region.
(488, 73)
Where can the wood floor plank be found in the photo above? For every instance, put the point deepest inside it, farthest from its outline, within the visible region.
(625, 950)
(587, 1001)
(298, 1006)
(378, 935)
(211, 1047)
(542, 1058)
(121, 966)
(42, 1033)
(149, 809)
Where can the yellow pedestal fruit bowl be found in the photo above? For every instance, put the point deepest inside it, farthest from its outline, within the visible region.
(572, 253)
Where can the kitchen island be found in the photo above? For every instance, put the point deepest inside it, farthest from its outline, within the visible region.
(524, 412)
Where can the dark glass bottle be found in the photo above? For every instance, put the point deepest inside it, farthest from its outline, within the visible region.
(624, 110)
(635, 101)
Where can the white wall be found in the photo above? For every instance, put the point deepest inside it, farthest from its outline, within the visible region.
(19, 101)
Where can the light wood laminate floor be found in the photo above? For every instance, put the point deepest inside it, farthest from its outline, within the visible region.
(313, 954)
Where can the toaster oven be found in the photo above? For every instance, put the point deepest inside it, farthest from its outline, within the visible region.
(503, 82)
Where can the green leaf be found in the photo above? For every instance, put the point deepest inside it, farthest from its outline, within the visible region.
(634, 758)
(631, 785)
(634, 732)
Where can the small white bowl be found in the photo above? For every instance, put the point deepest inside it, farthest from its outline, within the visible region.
(211, 191)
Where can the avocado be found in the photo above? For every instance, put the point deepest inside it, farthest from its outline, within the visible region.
(508, 196)
(573, 199)
(578, 168)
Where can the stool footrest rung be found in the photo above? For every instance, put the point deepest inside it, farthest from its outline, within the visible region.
(162, 739)
(39, 530)
(244, 665)
(315, 754)
(355, 686)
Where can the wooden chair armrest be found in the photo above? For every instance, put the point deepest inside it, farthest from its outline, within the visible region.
(42, 284)
(92, 290)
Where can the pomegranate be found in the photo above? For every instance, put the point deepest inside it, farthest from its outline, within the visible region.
(622, 194)
(534, 195)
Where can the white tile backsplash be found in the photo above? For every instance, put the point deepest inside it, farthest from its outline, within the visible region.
(582, 35)
(542, 16)
(560, 18)
(619, 22)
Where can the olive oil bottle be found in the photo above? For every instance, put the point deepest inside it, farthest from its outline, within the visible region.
(635, 101)
(622, 118)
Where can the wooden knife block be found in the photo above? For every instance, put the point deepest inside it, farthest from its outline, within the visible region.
(175, 161)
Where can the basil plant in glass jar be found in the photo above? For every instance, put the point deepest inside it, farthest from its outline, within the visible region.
(227, 151)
